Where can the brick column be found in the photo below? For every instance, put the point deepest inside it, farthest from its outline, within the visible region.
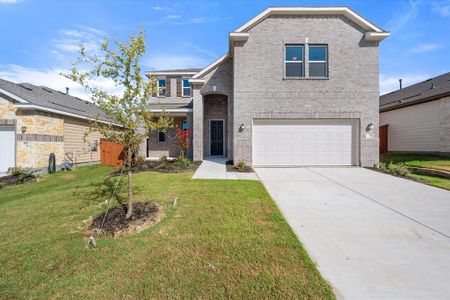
(197, 143)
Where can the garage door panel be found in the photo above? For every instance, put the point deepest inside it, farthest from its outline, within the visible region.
(7, 147)
(304, 142)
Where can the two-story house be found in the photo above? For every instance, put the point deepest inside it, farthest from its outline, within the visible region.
(298, 86)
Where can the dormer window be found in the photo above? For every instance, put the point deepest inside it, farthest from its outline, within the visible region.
(161, 86)
(293, 61)
(186, 87)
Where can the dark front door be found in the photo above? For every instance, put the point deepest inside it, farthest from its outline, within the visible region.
(216, 132)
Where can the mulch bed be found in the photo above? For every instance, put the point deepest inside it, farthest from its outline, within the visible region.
(13, 180)
(232, 168)
(145, 214)
(167, 167)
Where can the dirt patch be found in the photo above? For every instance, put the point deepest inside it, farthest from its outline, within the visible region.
(145, 214)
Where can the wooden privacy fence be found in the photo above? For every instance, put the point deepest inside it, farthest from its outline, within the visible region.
(111, 153)
(383, 139)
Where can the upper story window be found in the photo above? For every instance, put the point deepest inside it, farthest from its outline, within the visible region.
(293, 61)
(318, 61)
(184, 125)
(186, 87)
(161, 87)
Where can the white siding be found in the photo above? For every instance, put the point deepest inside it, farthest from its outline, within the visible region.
(414, 128)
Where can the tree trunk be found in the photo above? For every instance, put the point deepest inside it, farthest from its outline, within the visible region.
(130, 189)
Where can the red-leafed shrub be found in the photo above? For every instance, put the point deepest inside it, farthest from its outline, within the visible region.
(184, 141)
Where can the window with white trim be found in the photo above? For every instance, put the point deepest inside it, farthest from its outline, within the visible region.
(186, 87)
(161, 87)
(318, 60)
(161, 136)
(293, 61)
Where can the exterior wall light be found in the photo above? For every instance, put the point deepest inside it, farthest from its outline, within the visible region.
(242, 127)
(23, 129)
(369, 131)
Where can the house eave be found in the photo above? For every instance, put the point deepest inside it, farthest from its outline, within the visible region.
(12, 96)
(416, 102)
(311, 10)
(376, 36)
(59, 112)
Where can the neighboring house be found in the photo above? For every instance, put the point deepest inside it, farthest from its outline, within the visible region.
(298, 86)
(417, 118)
(36, 121)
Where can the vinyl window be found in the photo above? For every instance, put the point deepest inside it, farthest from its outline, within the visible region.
(293, 61)
(161, 136)
(186, 87)
(161, 87)
(318, 61)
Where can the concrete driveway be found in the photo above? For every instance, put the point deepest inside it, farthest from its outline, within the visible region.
(373, 236)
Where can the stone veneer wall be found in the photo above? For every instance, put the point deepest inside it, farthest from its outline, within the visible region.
(43, 135)
(32, 153)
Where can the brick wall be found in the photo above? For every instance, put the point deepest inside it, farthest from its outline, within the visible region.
(260, 90)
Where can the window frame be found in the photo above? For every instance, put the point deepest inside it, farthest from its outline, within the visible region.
(327, 74)
(158, 136)
(294, 61)
(183, 87)
(158, 87)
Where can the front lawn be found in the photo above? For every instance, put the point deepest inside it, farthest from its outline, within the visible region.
(224, 239)
(419, 160)
(434, 181)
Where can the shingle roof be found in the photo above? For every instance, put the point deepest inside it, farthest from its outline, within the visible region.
(50, 98)
(431, 89)
(170, 105)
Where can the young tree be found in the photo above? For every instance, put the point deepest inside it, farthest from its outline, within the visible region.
(119, 62)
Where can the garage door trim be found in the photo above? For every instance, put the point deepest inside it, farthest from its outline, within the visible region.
(355, 138)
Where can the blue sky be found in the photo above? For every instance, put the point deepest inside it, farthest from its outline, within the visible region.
(39, 38)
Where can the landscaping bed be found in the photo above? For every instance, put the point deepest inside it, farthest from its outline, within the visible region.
(174, 166)
(145, 214)
(18, 176)
(242, 169)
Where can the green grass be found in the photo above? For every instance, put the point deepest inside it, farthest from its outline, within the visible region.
(418, 160)
(434, 181)
(224, 239)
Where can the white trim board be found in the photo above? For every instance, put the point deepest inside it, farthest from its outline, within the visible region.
(17, 98)
(299, 10)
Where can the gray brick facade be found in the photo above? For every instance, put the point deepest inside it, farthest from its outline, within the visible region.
(249, 83)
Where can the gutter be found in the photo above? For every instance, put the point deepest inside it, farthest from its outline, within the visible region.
(420, 101)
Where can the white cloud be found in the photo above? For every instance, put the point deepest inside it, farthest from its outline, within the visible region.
(426, 48)
(162, 61)
(442, 8)
(69, 40)
(403, 15)
(173, 17)
(52, 79)
(389, 83)
(9, 1)
(157, 7)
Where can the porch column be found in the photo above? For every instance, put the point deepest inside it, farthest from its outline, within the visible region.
(197, 143)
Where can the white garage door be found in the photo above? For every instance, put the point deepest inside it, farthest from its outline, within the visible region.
(305, 142)
(7, 148)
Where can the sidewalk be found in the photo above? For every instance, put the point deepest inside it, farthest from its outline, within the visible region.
(215, 168)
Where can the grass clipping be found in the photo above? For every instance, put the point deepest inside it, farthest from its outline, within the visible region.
(145, 214)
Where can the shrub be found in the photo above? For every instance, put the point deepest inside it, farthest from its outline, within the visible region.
(395, 169)
(240, 166)
(21, 174)
(139, 161)
(183, 162)
(163, 160)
